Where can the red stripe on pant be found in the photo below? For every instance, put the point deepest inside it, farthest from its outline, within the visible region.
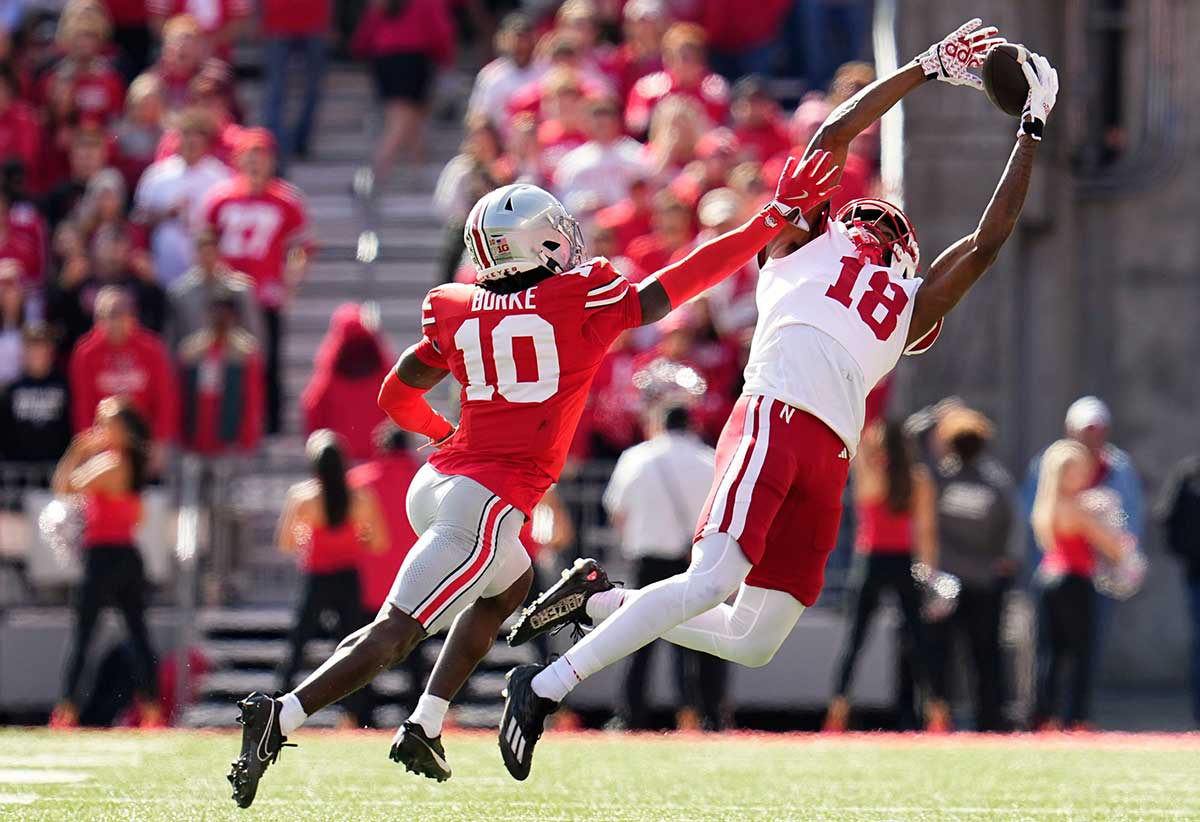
(464, 579)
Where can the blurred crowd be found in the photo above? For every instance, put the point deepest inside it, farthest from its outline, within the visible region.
(647, 120)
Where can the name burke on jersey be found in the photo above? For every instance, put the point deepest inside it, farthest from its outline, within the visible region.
(484, 300)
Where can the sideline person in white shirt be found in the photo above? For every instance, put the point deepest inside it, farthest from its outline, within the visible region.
(512, 70)
(654, 498)
(172, 193)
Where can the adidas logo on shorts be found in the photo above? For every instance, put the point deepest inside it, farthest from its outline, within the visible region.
(845, 455)
(558, 610)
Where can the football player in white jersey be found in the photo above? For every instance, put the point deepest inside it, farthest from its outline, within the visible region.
(838, 305)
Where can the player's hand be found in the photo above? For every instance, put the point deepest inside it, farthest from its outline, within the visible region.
(1043, 91)
(951, 58)
(803, 186)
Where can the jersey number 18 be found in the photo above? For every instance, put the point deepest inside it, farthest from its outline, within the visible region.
(881, 293)
(529, 326)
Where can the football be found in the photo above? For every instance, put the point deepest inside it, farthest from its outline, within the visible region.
(1003, 79)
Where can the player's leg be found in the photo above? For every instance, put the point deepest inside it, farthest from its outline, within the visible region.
(475, 621)
(752, 481)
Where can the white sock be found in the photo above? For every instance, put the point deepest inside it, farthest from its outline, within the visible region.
(291, 714)
(430, 713)
(556, 681)
(604, 604)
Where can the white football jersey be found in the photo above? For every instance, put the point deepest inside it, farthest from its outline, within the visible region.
(829, 328)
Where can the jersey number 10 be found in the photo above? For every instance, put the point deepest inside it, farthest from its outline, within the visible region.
(530, 326)
(881, 291)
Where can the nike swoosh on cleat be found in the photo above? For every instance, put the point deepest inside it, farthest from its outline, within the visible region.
(266, 733)
(436, 758)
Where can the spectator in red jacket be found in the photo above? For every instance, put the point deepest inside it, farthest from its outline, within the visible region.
(262, 225)
(758, 121)
(20, 132)
(685, 72)
(222, 383)
(351, 364)
(742, 43)
(23, 238)
(630, 218)
(294, 28)
(120, 358)
(181, 58)
(404, 40)
(562, 126)
(388, 475)
(222, 21)
(640, 54)
(716, 153)
(671, 238)
(84, 77)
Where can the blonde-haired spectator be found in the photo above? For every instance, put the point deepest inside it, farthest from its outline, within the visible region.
(84, 81)
(222, 22)
(1070, 536)
(138, 132)
(677, 125)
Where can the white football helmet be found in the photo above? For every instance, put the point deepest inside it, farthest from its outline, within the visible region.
(884, 233)
(519, 228)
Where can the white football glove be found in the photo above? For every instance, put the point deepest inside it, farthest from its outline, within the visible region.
(951, 59)
(1043, 91)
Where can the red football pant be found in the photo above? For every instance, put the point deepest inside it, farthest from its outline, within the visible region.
(778, 492)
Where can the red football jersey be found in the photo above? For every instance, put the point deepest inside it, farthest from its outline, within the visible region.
(257, 230)
(526, 362)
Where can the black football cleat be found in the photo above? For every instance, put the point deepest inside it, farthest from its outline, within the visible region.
(420, 754)
(563, 603)
(523, 720)
(261, 743)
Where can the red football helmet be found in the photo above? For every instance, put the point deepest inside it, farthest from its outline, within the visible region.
(883, 234)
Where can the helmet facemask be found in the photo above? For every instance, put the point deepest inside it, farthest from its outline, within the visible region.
(883, 235)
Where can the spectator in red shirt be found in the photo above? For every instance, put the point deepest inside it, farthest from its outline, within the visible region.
(685, 72)
(120, 358)
(640, 54)
(630, 218)
(742, 43)
(294, 28)
(388, 475)
(222, 21)
(22, 239)
(404, 40)
(83, 76)
(758, 121)
(351, 364)
(562, 126)
(131, 34)
(716, 153)
(182, 56)
(221, 378)
(562, 52)
(20, 132)
(671, 237)
(262, 223)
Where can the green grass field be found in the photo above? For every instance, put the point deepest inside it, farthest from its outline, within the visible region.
(180, 776)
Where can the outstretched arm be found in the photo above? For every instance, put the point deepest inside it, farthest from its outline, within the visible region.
(802, 186)
(958, 267)
(948, 60)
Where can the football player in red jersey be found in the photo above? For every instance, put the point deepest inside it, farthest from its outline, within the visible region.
(524, 341)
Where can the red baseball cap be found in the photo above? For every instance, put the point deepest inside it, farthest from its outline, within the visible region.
(253, 138)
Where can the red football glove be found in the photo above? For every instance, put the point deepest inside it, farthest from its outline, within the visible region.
(803, 186)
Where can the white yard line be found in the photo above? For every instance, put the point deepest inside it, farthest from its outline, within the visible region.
(18, 798)
(41, 776)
